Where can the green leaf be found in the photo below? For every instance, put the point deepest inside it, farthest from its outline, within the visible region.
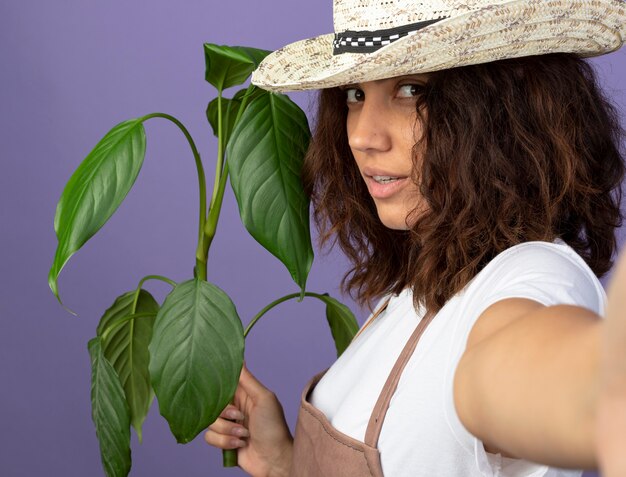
(196, 356)
(265, 156)
(109, 413)
(228, 66)
(343, 325)
(230, 109)
(126, 347)
(95, 191)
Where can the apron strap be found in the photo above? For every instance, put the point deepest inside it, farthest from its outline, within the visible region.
(380, 409)
(373, 317)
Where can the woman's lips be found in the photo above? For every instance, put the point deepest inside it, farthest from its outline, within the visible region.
(384, 186)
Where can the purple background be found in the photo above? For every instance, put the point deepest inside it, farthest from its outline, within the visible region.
(70, 71)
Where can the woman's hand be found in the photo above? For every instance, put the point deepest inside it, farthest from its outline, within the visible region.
(260, 432)
(610, 423)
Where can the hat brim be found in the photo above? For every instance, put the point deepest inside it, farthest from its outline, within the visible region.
(512, 29)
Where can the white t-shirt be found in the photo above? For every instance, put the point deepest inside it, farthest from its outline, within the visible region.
(422, 434)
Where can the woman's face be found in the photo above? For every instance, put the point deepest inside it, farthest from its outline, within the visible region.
(382, 130)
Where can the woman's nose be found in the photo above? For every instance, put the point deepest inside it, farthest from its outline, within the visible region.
(368, 128)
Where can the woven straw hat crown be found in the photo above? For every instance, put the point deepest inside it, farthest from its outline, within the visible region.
(375, 39)
(385, 14)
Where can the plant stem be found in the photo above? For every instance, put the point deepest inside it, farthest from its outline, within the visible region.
(221, 174)
(220, 184)
(156, 277)
(200, 257)
(220, 150)
(145, 279)
(229, 458)
(214, 212)
(120, 321)
(258, 316)
(244, 103)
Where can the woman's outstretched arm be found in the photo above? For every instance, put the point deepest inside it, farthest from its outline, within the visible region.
(610, 422)
(548, 384)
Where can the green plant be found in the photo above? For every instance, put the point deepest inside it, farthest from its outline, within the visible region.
(189, 350)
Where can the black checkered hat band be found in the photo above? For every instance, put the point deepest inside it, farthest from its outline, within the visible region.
(369, 41)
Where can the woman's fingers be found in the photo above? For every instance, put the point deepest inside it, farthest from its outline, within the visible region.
(226, 434)
(231, 412)
(224, 426)
(222, 441)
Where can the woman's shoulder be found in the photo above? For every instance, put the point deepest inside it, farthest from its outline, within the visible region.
(556, 256)
(548, 272)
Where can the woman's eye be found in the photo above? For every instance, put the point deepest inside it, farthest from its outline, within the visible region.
(354, 95)
(410, 90)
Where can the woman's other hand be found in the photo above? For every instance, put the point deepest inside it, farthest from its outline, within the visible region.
(255, 425)
(610, 423)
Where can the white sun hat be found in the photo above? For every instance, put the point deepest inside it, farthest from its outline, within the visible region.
(376, 39)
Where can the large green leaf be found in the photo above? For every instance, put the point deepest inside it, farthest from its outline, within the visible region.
(109, 413)
(343, 325)
(230, 109)
(95, 191)
(265, 157)
(126, 348)
(196, 355)
(228, 66)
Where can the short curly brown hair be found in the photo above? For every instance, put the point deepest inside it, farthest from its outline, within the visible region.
(513, 151)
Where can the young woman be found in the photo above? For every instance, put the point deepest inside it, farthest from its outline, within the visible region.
(466, 162)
